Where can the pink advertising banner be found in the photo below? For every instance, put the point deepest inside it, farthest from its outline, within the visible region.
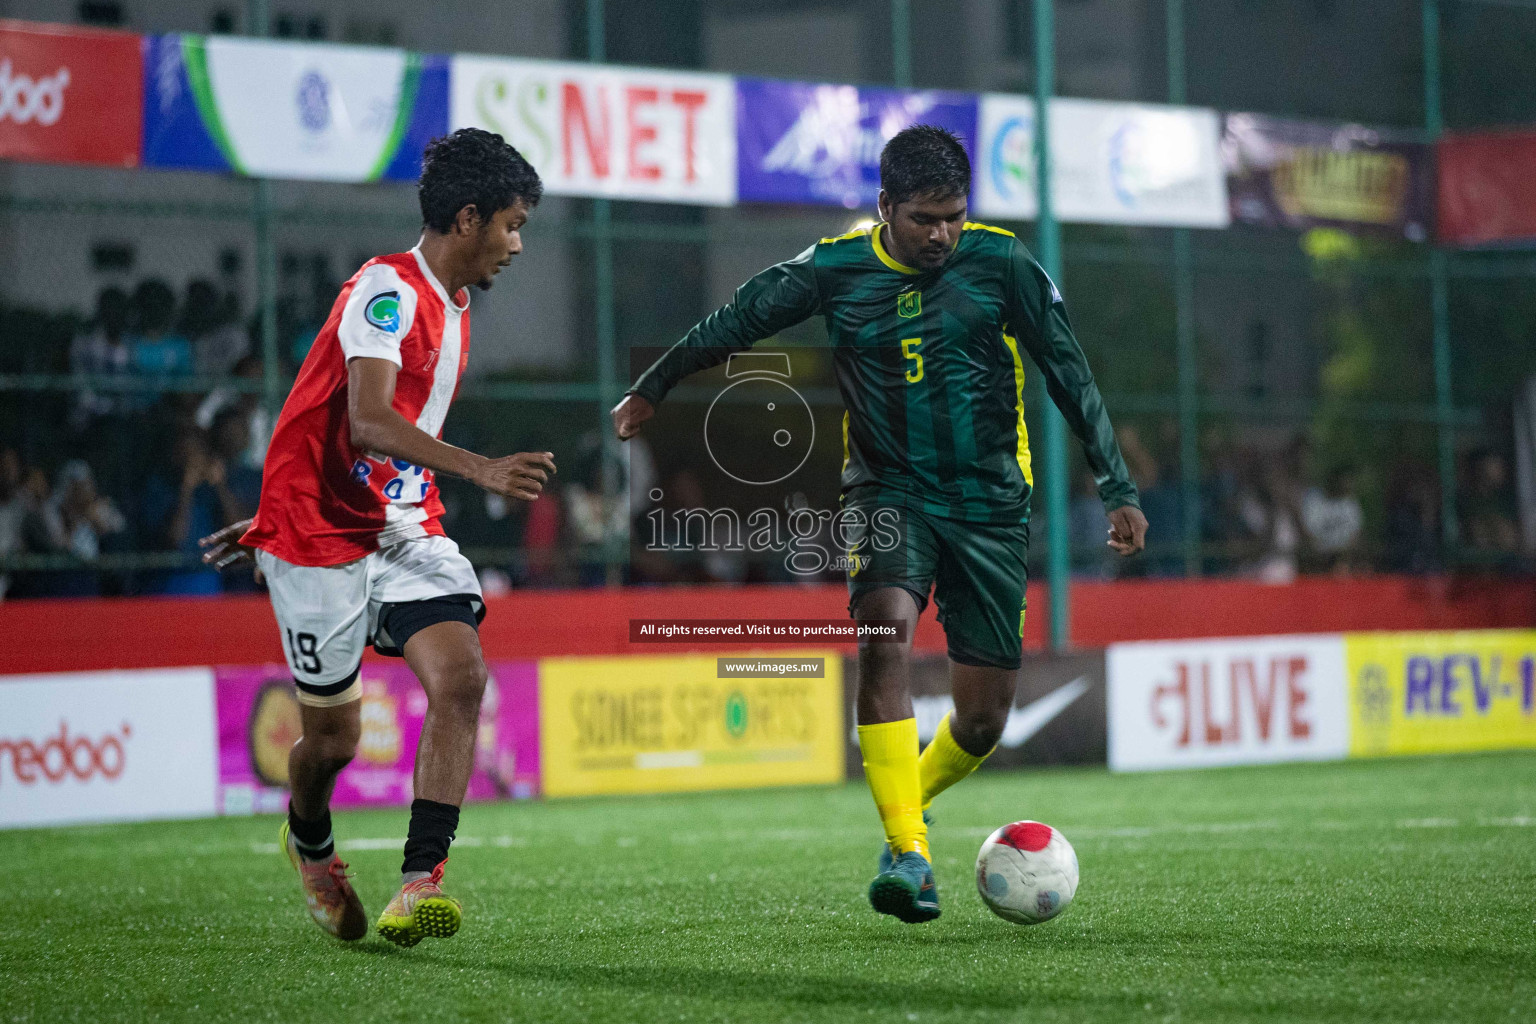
(258, 718)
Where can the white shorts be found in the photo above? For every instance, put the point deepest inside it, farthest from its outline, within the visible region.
(328, 614)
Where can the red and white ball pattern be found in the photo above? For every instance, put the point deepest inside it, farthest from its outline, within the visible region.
(1026, 872)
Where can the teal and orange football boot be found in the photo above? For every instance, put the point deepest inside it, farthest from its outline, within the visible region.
(333, 904)
(886, 860)
(907, 891)
(421, 910)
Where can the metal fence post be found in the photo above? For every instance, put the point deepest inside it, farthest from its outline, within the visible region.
(901, 43)
(1058, 539)
(1184, 328)
(607, 382)
(260, 17)
(1440, 301)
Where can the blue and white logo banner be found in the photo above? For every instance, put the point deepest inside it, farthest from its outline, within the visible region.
(291, 110)
(799, 142)
(1111, 163)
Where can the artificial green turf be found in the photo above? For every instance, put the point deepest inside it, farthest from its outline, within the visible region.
(1394, 890)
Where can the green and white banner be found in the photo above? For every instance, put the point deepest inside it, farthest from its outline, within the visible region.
(290, 110)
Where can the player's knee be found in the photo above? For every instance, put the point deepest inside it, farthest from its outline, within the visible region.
(459, 687)
(977, 730)
(335, 739)
(881, 655)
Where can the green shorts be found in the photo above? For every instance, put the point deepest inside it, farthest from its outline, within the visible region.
(977, 573)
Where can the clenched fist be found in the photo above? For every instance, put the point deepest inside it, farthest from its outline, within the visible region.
(629, 414)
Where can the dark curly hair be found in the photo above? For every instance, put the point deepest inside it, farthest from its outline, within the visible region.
(924, 162)
(473, 167)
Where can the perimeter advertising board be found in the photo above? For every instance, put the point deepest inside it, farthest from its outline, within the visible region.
(1111, 163)
(258, 722)
(1423, 693)
(1190, 704)
(1304, 174)
(106, 746)
(1487, 191)
(1057, 715)
(644, 724)
(69, 95)
(804, 142)
(290, 110)
(628, 133)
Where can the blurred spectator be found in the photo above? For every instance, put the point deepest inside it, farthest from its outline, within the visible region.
(1220, 520)
(217, 342)
(1267, 509)
(1412, 541)
(231, 439)
(156, 348)
(1088, 530)
(13, 509)
(1488, 522)
(72, 519)
(1161, 502)
(249, 405)
(102, 350)
(1332, 519)
(188, 499)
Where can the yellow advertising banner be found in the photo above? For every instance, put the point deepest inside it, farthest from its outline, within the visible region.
(669, 723)
(1421, 693)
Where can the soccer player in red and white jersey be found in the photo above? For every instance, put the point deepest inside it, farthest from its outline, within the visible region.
(348, 535)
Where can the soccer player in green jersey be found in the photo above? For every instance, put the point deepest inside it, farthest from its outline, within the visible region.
(930, 318)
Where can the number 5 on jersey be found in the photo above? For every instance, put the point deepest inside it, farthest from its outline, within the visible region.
(909, 349)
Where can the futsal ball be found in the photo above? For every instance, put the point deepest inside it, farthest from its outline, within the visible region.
(1026, 872)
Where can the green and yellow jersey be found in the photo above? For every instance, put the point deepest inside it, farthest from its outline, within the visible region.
(930, 365)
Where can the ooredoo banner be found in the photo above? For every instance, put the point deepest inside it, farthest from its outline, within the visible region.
(106, 746)
(1188, 704)
(803, 142)
(69, 95)
(1111, 163)
(666, 723)
(591, 130)
(290, 110)
(1423, 693)
(1303, 174)
(258, 722)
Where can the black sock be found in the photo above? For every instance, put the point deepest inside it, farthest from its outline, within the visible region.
(313, 838)
(432, 828)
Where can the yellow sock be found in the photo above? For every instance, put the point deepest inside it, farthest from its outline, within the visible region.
(890, 767)
(945, 763)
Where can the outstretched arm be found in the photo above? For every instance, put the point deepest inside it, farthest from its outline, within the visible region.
(778, 298)
(1037, 312)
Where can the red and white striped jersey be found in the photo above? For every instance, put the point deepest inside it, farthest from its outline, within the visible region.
(323, 500)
